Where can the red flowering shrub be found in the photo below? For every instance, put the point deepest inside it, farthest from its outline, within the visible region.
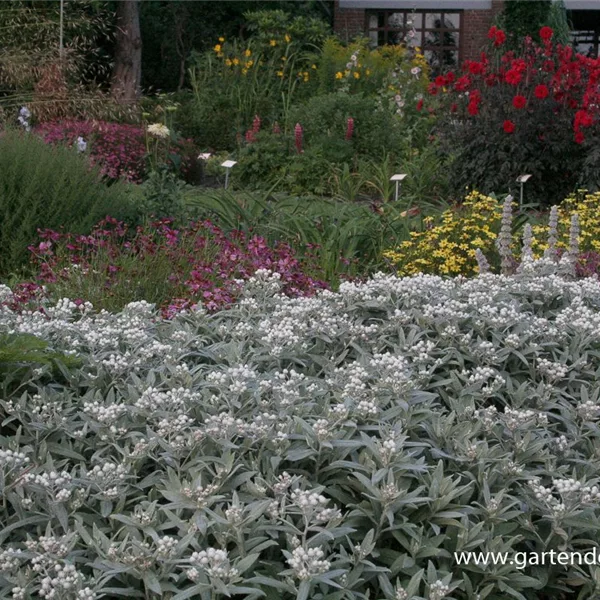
(509, 113)
(174, 268)
(118, 149)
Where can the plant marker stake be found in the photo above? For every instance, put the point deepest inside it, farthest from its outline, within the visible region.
(397, 178)
(228, 164)
(522, 179)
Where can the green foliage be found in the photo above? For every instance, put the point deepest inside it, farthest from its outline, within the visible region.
(306, 32)
(237, 82)
(172, 30)
(525, 17)
(325, 117)
(344, 239)
(162, 195)
(341, 447)
(23, 350)
(42, 186)
(557, 20)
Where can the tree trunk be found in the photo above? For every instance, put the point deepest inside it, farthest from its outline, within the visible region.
(127, 72)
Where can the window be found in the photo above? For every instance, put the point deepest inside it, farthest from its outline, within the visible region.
(437, 33)
(585, 34)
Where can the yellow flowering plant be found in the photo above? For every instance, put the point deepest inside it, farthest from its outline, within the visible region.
(447, 245)
(357, 68)
(587, 207)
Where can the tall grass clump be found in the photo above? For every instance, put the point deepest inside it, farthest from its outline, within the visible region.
(48, 187)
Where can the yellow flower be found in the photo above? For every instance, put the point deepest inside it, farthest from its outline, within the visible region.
(236, 61)
(288, 39)
(273, 43)
(368, 72)
(279, 73)
(228, 62)
(313, 66)
(356, 75)
(248, 52)
(221, 39)
(249, 64)
(284, 58)
(244, 71)
(218, 48)
(339, 75)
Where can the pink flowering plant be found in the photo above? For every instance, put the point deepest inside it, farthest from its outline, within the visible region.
(120, 150)
(174, 268)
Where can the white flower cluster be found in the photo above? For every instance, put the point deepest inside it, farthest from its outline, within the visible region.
(312, 505)
(516, 418)
(153, 400)
(64, 579)
(488, 378)
(12, 460)
(158, 130)
(105, 414)
(108, 478)
(394, 372)
(438, 590)
(552, 370)
(308, 562)
(10, 559)
(571, 492)
(166, 546)
(59, 485)
(487, 416)
(215, 562)
(588, 410)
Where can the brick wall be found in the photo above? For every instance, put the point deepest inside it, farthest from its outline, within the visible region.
(350, 22)
(476, 24)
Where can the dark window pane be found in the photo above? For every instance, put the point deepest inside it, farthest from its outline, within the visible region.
(396, 20)
(451, 20)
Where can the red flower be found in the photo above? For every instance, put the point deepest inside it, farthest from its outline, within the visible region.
(473, 108)
(499, 38)
(450, 77)
(541, 91)
(476, 68)
(579, 138)
(519, 102)
(548, 66)
(349, 128)
(513, 77)
(508, 126)
(298, 134)
(583, 119)
(492, 32)
(462, 83)
(546, 33)
(432, 89)
(440, 81)
(420, 104)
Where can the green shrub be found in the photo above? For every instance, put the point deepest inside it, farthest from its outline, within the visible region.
(49, 187)
(341, 447)
(324, 120)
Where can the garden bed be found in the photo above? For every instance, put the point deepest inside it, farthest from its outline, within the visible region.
(326, 447)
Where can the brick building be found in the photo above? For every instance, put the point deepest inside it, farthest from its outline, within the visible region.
(448, 31)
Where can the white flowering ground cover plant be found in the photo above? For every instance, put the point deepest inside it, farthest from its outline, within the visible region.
(336, 447)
